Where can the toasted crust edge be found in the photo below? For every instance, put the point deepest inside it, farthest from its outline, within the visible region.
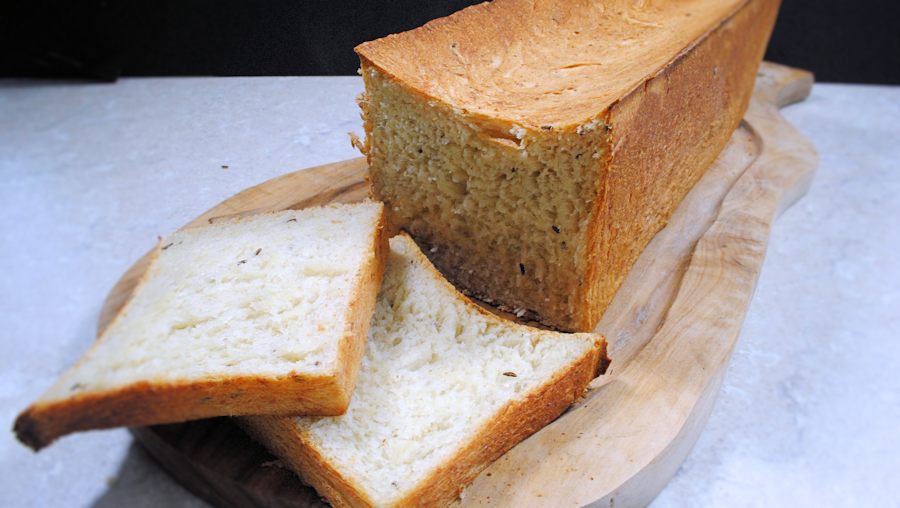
(147, 403)
(514, 422)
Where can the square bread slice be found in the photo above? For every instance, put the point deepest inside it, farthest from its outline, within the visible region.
(266, 314)
(445, 388)
(534, 147)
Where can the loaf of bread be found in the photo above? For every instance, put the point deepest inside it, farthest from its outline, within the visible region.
(444, 389)
(534, 147)
(262, 315)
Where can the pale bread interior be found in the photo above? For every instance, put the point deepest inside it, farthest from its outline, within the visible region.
(505, 222)
(435, 371)
(264, 295)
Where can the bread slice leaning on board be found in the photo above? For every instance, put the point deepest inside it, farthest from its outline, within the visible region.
(535, 147)
(266, 314)
(444, 389)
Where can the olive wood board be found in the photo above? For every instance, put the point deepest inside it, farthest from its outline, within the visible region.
(671, 327)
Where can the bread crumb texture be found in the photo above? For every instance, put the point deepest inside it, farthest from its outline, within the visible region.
(436, 370)
(264, 295)
(504, 217)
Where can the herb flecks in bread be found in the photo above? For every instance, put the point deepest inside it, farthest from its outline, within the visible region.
(539, 146)
(445, 388)
(263, 314)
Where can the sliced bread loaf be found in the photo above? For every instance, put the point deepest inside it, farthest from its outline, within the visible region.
(535, 147)
(444, 389)
(266, 314)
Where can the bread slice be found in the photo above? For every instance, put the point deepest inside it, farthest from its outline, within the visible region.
(535, 147)
(444, 389)
(264, 314)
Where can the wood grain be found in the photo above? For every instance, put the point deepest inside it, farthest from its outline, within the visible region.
(672, 328)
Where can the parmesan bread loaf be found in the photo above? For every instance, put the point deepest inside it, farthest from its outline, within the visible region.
(534, 147)
(444, 389)
(262, 315)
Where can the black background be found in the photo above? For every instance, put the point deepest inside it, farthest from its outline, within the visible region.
(840, 40)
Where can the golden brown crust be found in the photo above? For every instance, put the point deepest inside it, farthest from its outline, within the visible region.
(360, 310)
(150, 403)
(286, 441)
(667, 116)
(643, 182)
(516, 421)
(513, 423)
(533, 63)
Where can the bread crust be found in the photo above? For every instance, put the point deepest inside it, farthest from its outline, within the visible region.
(359, 314)
(514, 422)
(644, 182)
(285, 440)
(662, 126)
(492, 63)
(146, 403)
(150, 403)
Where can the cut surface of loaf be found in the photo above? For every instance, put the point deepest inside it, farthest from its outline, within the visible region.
(444, 389)
(263, 314)
(534, 148)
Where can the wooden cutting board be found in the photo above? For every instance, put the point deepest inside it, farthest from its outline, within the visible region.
(672, 328)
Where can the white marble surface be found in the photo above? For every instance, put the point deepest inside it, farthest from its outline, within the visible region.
(90, 174)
